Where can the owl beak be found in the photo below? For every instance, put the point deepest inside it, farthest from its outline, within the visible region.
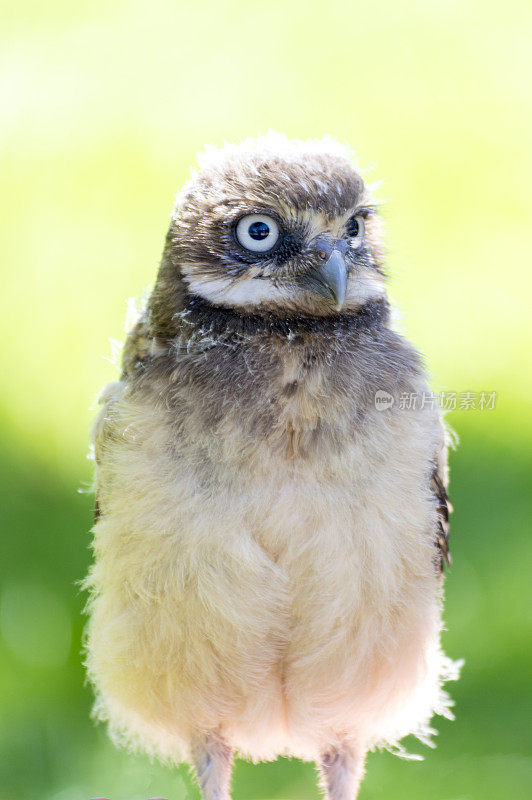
(329, 279)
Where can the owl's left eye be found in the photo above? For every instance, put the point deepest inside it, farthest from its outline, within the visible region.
(355, 230)
(257, 232)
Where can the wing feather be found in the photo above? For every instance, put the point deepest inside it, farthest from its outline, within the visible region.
(100, 434)
(444, 509)
(138, 346)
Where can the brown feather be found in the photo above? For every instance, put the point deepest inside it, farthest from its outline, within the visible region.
(444, 510)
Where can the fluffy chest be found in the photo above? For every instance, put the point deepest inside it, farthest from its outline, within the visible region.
(292, 400)
(280, 443)
(308, 417)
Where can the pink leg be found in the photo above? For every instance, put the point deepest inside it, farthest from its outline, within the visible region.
(212, 759)
(341, 770)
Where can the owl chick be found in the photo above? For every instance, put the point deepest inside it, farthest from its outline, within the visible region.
(269, 536)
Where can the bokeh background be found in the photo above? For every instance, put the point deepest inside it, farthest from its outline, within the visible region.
(103, 107)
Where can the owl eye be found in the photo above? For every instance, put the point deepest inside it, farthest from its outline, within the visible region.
(355, 230)
(257, 232)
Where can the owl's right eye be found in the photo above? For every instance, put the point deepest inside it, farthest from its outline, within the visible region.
(257, 232)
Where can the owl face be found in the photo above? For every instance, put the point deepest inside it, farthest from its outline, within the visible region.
(284, 227)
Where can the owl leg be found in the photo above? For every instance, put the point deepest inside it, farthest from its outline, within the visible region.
(212, 760)
(341, 770)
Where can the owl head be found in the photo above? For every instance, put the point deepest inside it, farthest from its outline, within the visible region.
(273, 226)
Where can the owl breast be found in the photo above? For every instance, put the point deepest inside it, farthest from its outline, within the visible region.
(267, 558)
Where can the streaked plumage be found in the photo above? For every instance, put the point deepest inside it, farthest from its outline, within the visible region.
(268, 549)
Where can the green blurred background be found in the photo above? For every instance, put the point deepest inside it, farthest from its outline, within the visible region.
(103, 107)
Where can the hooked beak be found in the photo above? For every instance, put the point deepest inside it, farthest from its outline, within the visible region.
(330, 279)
